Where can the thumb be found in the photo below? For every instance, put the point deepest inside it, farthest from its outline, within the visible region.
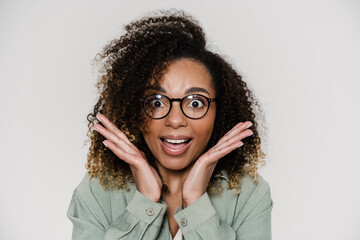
(142, 154)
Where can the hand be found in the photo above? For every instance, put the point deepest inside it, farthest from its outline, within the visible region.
(147, 180)
(196, 182)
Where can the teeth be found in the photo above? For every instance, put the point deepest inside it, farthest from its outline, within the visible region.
(175, 141)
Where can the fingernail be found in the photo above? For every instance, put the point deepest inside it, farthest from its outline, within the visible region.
(98, 118)
(105, 144)
(241, 144)
(250, 124)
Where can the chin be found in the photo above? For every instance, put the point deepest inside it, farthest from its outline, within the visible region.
(174, 165)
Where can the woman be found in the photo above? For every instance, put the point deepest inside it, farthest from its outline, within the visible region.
(174, 142)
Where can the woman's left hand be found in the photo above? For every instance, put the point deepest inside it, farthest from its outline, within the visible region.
(197, 181)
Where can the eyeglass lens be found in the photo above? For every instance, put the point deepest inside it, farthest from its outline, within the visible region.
(193, 106)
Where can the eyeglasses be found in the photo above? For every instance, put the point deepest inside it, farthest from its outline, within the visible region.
(193, 106)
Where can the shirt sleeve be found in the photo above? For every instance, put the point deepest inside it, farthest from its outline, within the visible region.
(251, 221)
(141, 219)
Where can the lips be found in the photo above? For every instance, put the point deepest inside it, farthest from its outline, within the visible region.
(175, 145)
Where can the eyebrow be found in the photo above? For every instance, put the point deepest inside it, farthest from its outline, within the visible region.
(189, 90)
(197, 89)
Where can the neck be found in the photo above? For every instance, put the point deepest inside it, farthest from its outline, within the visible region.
(173, 179)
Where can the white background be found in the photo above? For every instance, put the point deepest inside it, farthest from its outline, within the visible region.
(301, 58)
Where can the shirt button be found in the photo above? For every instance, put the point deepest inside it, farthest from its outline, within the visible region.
(183, 222)
(150, 211)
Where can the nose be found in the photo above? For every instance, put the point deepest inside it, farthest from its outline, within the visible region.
(176, 118)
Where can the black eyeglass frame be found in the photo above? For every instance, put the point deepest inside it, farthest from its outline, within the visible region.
(209, 100)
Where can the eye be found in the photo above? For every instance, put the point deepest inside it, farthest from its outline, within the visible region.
(196, 103)
(156, 103)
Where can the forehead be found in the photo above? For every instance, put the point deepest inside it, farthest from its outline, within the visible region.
(184, 75)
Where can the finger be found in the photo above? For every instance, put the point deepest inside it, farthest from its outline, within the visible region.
(142, 154)
(230, 140)
(120, 152)
(134, 159)
(235, 130)
(236, 138)
(215, 155)
(113, 138)
(111, 127)
(230, 133)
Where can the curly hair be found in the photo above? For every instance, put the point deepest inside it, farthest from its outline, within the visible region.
(142, 54)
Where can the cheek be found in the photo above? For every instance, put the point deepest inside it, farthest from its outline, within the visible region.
(205, 128)
(150, 134)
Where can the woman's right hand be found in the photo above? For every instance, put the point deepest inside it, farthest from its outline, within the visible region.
(147, 180)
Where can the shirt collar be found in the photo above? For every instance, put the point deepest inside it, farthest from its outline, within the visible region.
(223, 174)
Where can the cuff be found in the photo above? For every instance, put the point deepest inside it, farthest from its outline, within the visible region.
(146, 210)
(196, 214)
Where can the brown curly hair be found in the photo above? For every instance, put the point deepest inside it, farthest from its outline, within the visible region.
(142, 54)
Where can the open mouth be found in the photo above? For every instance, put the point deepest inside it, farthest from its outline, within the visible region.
(175, 146)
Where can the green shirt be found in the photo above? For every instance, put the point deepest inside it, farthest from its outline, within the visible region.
(121, 214)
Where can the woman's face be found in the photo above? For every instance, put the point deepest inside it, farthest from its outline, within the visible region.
(181, 78)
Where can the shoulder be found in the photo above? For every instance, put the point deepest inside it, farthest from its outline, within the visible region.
(87, 183)
(254, 189)
(89, 191)
(92, 192)
(253, 198)
(249, 187)
(89, 186)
